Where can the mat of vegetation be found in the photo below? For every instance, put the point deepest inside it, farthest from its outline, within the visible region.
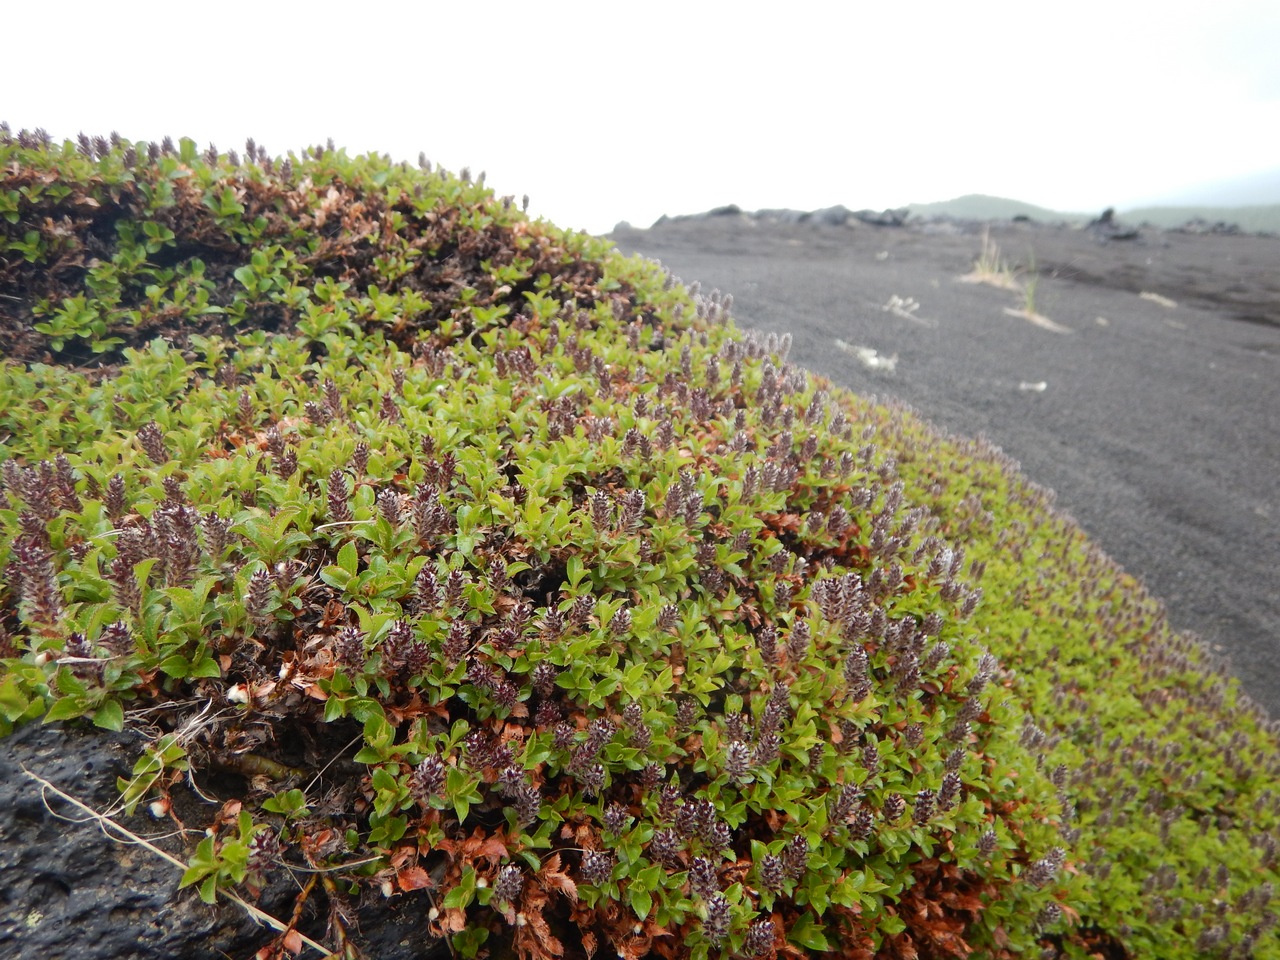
(475, 568)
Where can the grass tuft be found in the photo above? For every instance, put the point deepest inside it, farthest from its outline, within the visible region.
(991, 267)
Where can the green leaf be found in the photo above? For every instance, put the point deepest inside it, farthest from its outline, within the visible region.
(348, 558)
(368, 755)
(67, 708)
(209, 889)
(641, 902)
(176, 666)
(206, 667)
(110, 716)
(14, 702)
(805, 933)
(463, 893)
(891, 924)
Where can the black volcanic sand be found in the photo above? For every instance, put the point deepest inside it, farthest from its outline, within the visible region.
(1157, 425)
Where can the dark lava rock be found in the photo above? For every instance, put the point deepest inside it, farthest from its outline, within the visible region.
(781, 215)
(836, 216)
(1106, 227)
(1200, 225)
(70, 890)
(884, 218)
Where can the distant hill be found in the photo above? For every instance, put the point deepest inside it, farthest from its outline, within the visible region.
(1249, 219)
(976, 206)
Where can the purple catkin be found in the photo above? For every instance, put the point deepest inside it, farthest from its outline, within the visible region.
(615, 818)
(544, 678)
(259, 595)
(125, 589)
(562, 735)
(317, 414)
(389, 410)
(114, 499)
(389, 506)
(117, 639)
(871, 758)
(620, 623)
(600, 506)
(360, 460)
(949, 792)
(772, 873)
(924, 806)
(686, 712)
(245, 410)
(348, 648)
(509, 884)
(427, 779)
(275, 442)
(798, 641)
(547, 714)
(668, 618)
(846, 801)
(795, 857)
(599, 732)
(339, 508)
(176, 526)
(528, 803)
(581, 610)
(151, 439)
(703, 880)
(665, 848)
(597, 866)
(65, 485)
(937, 653)
(719, 918)
(1044, 870)
(650, 776)
(217, 535)
(767, 639)
(39, 581)
(632, 511)
(453, 586)
(760, 937)
(264, 850)
(426, 591)
(457, 642)
(552, 623)
(767, 748)
(332, 399)
(894, 807)
(737, 761)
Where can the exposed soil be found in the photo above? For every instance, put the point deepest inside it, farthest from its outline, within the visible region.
(1154, 419)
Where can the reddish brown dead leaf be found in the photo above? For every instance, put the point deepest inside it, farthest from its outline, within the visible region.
(292, 941)
(553, 877)
(413, 878)
(453, 920)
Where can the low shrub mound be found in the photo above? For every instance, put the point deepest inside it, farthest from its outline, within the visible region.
(499, 577)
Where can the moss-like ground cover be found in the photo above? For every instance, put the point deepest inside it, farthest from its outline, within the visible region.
(513, 584)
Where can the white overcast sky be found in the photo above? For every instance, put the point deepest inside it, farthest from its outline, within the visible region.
(610, 111)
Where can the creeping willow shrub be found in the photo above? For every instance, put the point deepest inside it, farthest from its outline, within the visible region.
(604, 628)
